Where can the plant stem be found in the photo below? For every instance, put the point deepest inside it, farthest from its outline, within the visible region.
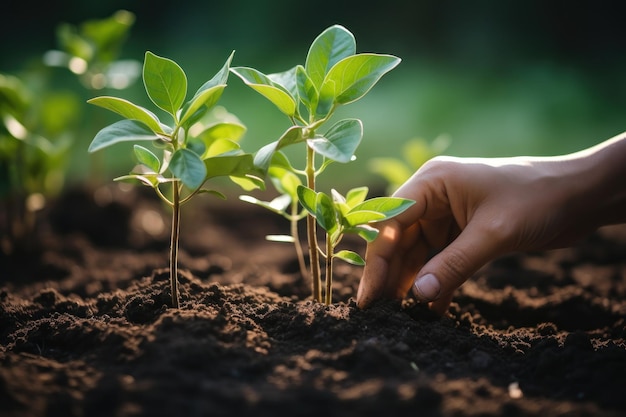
(329, 270)
(312, 230)
(174, 244)
(296, 239)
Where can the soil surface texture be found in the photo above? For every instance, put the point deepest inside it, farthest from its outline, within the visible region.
(87, 328)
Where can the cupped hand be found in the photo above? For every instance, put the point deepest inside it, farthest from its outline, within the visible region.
(469, 211)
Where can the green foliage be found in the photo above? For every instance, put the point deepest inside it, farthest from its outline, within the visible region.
(199, 143)
(339, 215)
(396, 171)
(333, 75)
(91, 50)
(36, 127)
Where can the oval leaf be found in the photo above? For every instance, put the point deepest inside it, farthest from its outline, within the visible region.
(264, 156)
(285, 181)
(307, 198)
(356, 196)
(351, 78)
(128, 110)
(340, 142)
(388, 206)
(325, 213)
(165, 82)
(229, 165)
(195, 108)
(122, 131)
(274, 92)
(350, 257)
(306, 89)
(331, 46)
(359, 217)
(147, 158)
(287, 80)
(187, 166)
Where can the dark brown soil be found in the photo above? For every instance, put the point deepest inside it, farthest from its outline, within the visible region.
(85, 327)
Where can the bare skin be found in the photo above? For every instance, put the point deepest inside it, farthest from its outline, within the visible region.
(469, 211)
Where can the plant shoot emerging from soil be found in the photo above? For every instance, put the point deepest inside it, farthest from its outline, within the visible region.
(194, 147)
(333, 75)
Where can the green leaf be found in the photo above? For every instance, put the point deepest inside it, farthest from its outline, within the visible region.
(212, 192)
(285, 181)
(122, 131)
(274, 92)
(351, 78)
(220, 138)
(151, 180)
(388, 206)
(187, 166)
(129, 110)
(356, 196)
(307, 198)
(248, 182)
(287, 80)
(195, 108)
(147, 158)
(229, 165)
(306, 89)
(165, 82)
(331, 46)
(223, 130)
(264, 156)
(325, 213)
(207, 95)
(350, 257)
(366, 232)
(340, 142)
(358, 217)
(278, 205)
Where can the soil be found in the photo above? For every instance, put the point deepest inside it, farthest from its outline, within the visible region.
(86, 328)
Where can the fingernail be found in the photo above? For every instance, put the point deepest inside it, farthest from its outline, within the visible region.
(427, 287)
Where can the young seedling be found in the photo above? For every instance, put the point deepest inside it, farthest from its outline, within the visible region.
(36, 133)
(340, 215)
(333, 75)
(91, 49)
(192, 151)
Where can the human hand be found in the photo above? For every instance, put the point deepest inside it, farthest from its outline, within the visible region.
(469, 211)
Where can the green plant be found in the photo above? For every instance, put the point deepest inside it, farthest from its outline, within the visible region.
(91, 50)
(36, 133)
(194, 150)
(333, 75)
(339, 215)
(415, 153)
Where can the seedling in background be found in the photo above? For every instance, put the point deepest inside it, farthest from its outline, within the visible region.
(414, 153)
(333, 75)
(192, 151)
(36, 126)
(91, 50)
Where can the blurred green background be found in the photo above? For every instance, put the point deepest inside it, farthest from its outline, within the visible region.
(500, 78)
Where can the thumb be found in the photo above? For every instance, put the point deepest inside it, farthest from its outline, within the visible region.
(450, 268)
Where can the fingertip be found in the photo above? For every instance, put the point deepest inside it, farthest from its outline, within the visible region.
(426, 288)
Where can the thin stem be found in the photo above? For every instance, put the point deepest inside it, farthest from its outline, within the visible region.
(312, 230)
(174, 244)
(329, 270)
(296, 239)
